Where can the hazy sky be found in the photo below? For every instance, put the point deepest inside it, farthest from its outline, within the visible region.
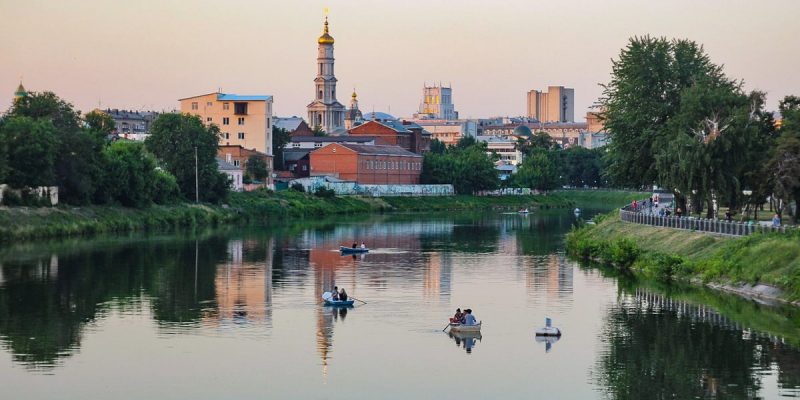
(146, 54)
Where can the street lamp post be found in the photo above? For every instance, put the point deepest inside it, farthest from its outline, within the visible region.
(196, 179)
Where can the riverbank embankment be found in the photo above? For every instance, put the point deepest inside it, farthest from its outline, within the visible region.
(759, 265)
(262, 207)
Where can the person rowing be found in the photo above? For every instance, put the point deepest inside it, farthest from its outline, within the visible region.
(458, 318)
(469, 319)
(335, 293)
(342, 295)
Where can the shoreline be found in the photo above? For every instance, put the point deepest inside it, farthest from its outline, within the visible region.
(261, 207)
(761, 267)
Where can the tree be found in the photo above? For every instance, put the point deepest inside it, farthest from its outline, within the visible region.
(643, 95)
(256, 167)
(32, 145)
(581, 166)
(132, 176)
(100, 122)
(785, 165)
(175, 139)
(539, 171)
(465, 142)
(280, 138)
(437, 147)
(79, 162)
(468, 169)
(317, 131)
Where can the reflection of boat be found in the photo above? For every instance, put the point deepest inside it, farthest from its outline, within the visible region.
(467, 339)
(465, 328)
(523, 211)
(352, 250)
(548, 341)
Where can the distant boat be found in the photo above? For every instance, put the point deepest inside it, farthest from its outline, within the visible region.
(465, 327)
(327, 297)
(524, 211)
(577, 211)
(352, 250)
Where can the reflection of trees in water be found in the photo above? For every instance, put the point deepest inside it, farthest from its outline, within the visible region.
(542, 234)
(45, 304)
(468, 235)
(660, 352)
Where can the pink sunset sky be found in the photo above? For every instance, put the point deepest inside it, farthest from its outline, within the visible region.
(146, 54)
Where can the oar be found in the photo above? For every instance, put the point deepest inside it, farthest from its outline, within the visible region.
(445, 327)
(358, 299)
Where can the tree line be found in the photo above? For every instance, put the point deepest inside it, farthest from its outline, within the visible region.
(470, 167)
(676, 120)
(44, 141)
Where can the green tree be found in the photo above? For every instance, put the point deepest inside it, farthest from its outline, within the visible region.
(79, 162)
(280, 138)
(132, 175)
(100, 122)
(317, 131)
(32, 145)
(257, 167)
(175, 139)
(468, 169)
(643, 95)
(437, 147)
(539, 171)
(581, 166)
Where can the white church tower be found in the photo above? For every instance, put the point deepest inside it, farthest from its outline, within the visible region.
(325, 112)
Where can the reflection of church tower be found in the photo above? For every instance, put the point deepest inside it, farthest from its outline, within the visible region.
(353, 116)
(325, 112)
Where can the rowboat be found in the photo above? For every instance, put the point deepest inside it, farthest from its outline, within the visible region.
(339, 303)
(548, 329)
(352, 250)
(465, 327)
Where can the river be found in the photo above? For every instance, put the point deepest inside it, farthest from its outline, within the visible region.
(236, 313)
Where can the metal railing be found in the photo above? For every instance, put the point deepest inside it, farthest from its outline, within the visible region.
(716, 226)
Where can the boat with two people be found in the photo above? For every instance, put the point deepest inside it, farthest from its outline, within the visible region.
(337, 298)
(355, 249)
(464, 322)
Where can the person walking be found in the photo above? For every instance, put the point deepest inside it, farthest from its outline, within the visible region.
(776, 221)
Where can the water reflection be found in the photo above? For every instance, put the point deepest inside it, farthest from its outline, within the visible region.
(263, 287)
(548, 341)
(465, 340)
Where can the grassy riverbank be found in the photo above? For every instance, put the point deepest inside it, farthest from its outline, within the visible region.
(610, 198)
(668, 254)
(20, 223)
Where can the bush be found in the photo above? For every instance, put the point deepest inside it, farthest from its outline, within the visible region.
(165, 188)
(11, 198)
(325, 193)
(298, 187)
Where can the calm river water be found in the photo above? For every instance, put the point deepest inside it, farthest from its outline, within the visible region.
(237, 314)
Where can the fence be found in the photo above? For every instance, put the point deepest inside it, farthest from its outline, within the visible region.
(716, 226)
(343, 188)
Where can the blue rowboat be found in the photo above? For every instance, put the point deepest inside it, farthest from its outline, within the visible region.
(350, 250)
(339, 303)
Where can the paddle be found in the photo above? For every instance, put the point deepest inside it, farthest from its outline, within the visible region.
(357, 299)
(445, 327)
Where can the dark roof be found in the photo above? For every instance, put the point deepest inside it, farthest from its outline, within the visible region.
(379, 150)
(289, 123)
(397, 126)
(295, 154)
(223, 165)
(333, 139)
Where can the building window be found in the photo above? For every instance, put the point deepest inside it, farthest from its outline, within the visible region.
(296, 145)
(240, 108)
(226, 106)
(228, 158)
(241, 135)
(241, 120)
(208, 104)
(305, 167)
(194, 105)
(236, 163)
(226, 121)
(208, 119)
(317, 145)
(226, 135)
(320, 94)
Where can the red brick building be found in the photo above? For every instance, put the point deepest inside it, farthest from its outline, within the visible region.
(407, 135)
(379, 164)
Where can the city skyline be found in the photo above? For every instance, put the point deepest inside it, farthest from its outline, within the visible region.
(149, 54)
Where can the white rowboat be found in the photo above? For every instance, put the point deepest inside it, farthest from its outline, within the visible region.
(465, 328)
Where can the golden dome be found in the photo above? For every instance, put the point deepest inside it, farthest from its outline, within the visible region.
(354, 95)
(325, 38)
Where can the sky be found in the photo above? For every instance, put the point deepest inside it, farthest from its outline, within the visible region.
(146, 54)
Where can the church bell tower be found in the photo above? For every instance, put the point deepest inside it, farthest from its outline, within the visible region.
(325, 112)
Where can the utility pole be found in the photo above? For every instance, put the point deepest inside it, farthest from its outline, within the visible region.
(196, 179)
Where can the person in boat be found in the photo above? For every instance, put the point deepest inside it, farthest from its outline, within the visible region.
(342, 295)
(354, 245)
(363, 246)
(335, 293)
(458, 317)
(469, 319)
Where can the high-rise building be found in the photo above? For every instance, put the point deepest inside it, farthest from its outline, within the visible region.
(555, 105)
(437, 103)
(325, 112)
